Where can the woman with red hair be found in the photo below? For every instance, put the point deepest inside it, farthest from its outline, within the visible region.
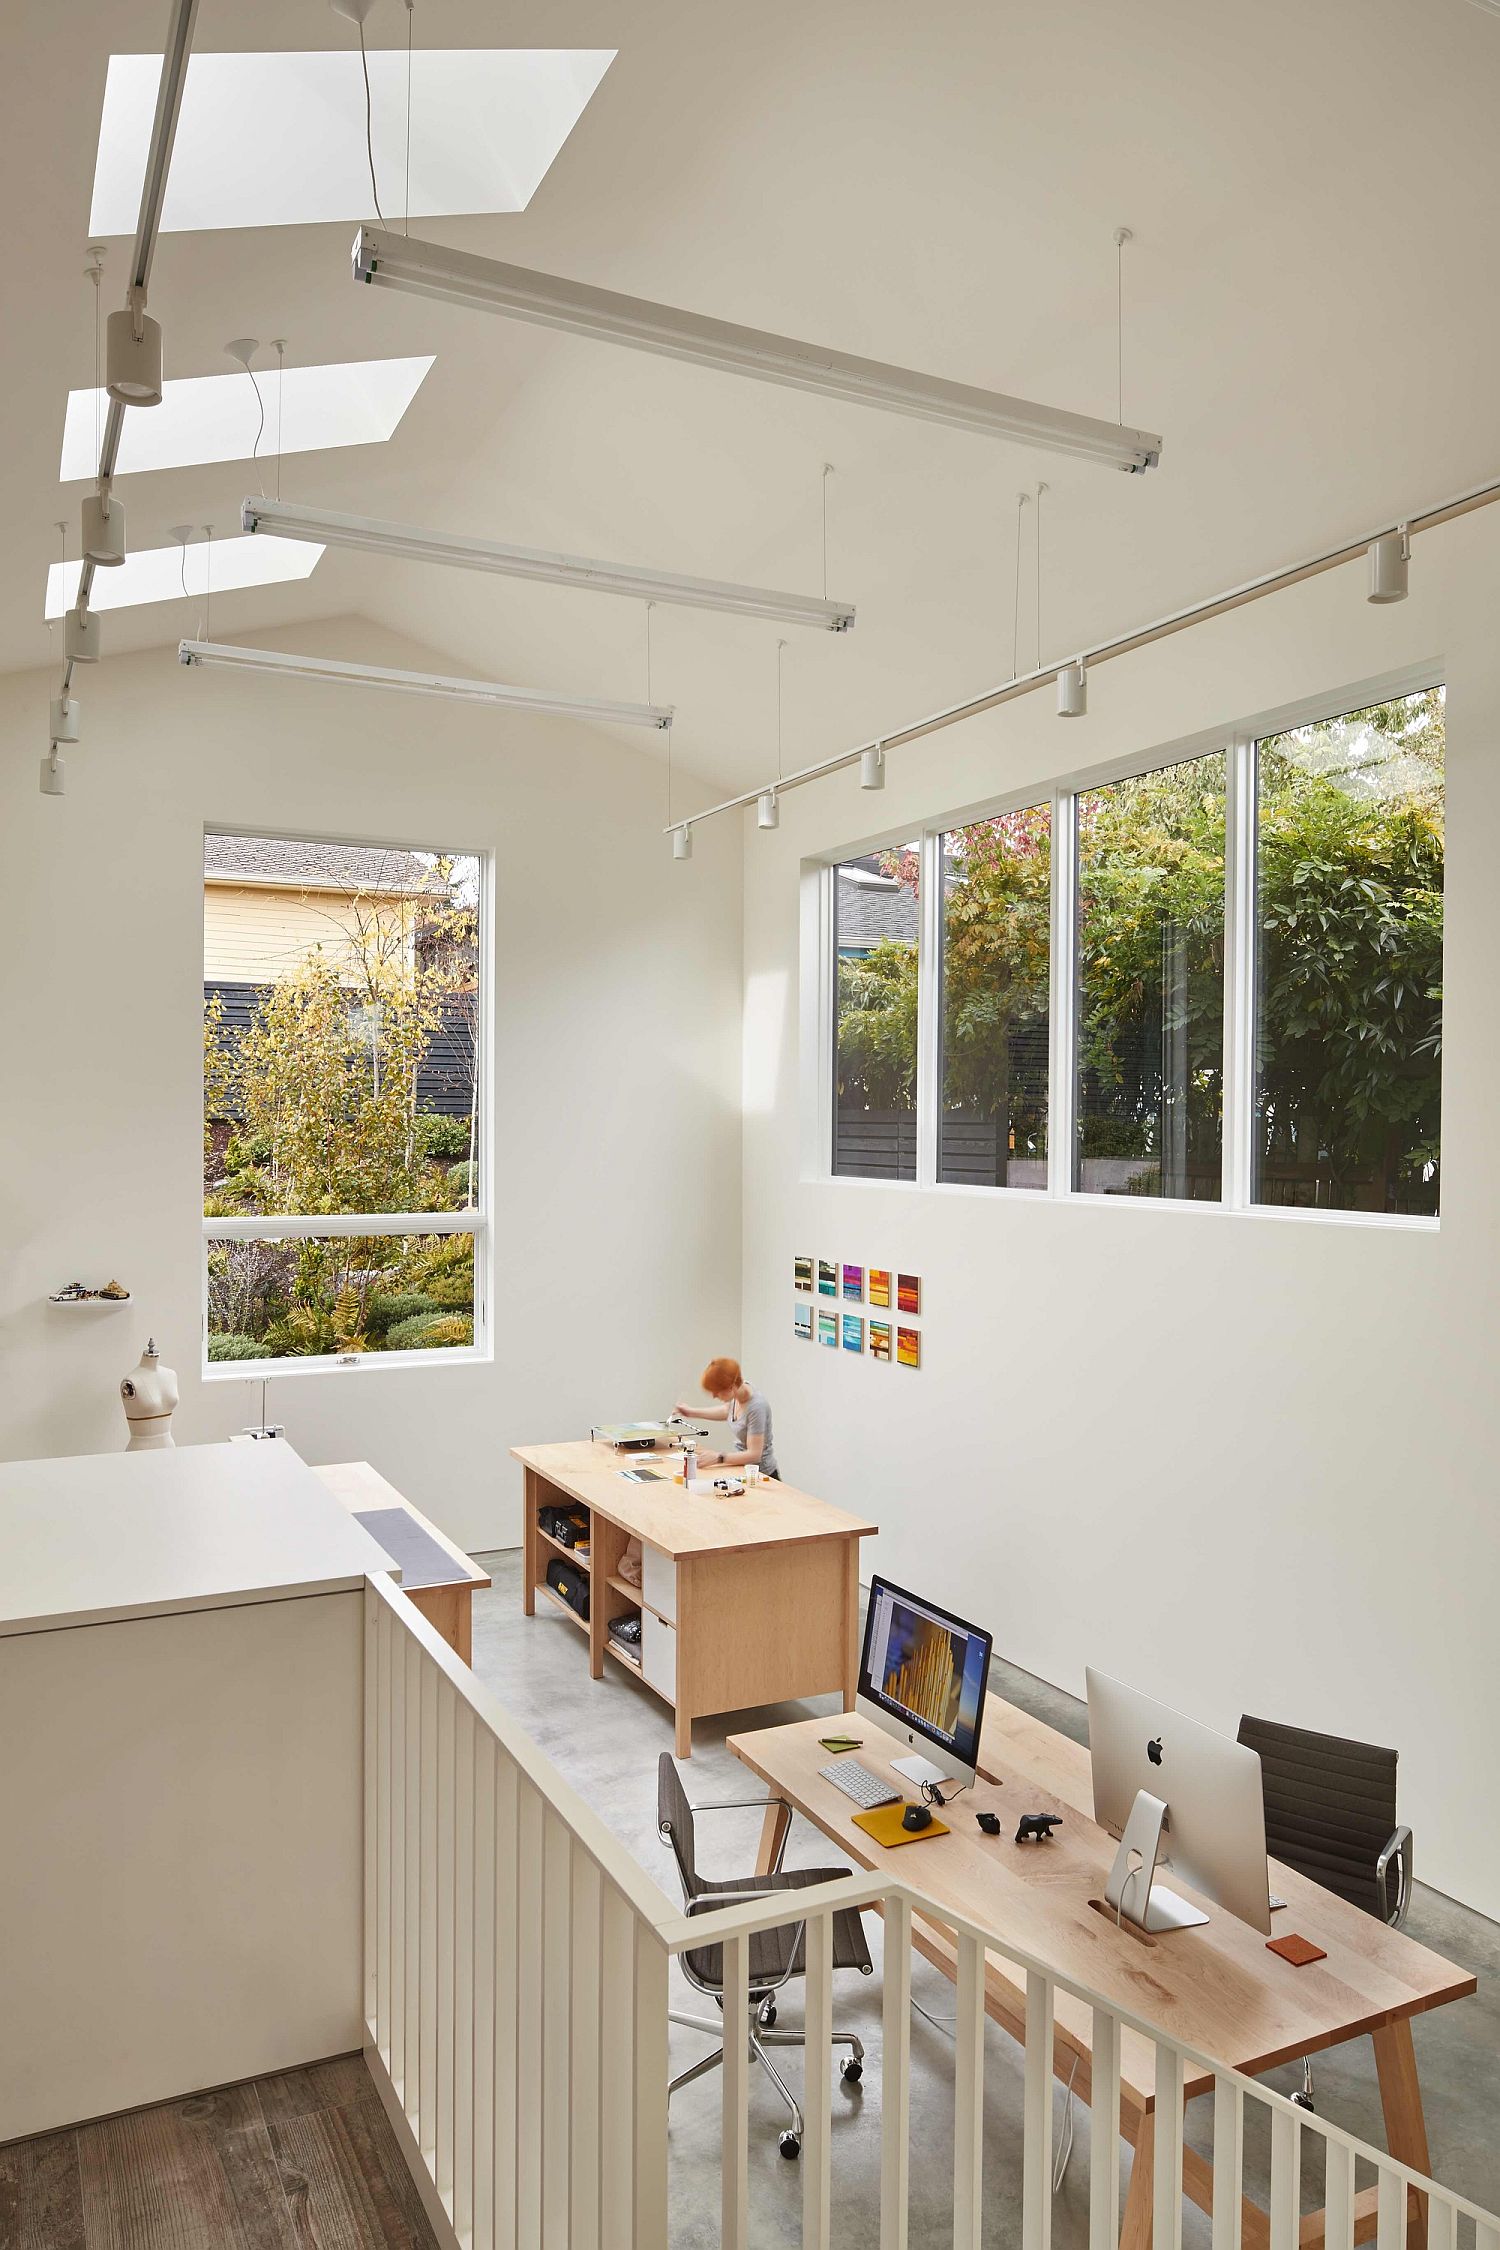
(747, 1413)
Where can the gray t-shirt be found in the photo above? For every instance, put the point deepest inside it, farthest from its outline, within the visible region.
(754, 1421)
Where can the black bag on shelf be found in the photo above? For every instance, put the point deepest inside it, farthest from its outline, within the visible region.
(568, 1526)
(570, 1585)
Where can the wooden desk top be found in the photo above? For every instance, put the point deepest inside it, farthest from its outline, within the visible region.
(769, 1514)
(361, 1488)
(1215, 1988)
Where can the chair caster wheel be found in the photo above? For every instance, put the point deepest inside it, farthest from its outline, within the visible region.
(1303, 2101)
(852, 2071)
(768, 2015)
(790, 2145)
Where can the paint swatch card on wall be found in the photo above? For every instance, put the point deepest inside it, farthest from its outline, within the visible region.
(880, 1286)
(880, 1339)
(854, 1283)
(908, 1347)
(828, 1278)
(908, 1293)
(828, 1330)
(854, 1332)
(802, 1274)
(802, 1322)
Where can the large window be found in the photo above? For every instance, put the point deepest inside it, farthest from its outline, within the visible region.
(1349, 982)
(343, 1129)
(997, 948)
(875, 908)
(1150, 1060)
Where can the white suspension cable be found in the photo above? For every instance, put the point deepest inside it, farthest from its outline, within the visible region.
(827, 473)
(1041, 488)
(1022, 501)
(1122, 236)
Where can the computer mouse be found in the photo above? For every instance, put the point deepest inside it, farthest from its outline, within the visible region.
(916, 1818)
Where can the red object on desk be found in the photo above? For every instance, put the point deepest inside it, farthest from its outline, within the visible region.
(1298, 1950)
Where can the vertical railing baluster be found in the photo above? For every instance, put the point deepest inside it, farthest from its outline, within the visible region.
(486, 1993)
(1104, 2133)
(529, 1940)
(895, 2075)
(507, 2000)
(649, 2078)
(463, 1972)
(1229, 2164)
(1486, 2237)
(1036, 2175)
(1338, 2196)
(384, 1825)
(427, 2063)
(616, 2071)
(372, 1749)
(817, 2107)
(557, 2001)
(1442, 2224)
(968, 2097)
(735, 2137)
(583, 2041)
(1166, 2221)
(411, 1969)
(444, 1957)
(1390, 2210)
(1286, 2178)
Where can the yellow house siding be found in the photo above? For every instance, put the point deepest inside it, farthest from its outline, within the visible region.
(254, 933)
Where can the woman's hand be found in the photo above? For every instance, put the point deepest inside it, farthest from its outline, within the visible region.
(709, 1460)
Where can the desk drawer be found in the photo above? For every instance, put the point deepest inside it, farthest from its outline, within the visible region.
(658, 1654)
(658, 1581)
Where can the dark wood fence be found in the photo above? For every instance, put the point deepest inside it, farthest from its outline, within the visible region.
(445, 1079)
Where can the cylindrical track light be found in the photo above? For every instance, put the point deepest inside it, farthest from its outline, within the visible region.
(1073, 690)
(872, 768)
(132, 357)
(1389, 556)
(682, 843)
(64, 718)
(83, 643)
(103, 530)
(53, 777)
(768, 810)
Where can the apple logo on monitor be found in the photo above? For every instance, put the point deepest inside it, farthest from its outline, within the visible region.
(1153, 1750)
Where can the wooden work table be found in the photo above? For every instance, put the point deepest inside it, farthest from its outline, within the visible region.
(743, 1601)
(438, 1578)
(1215, 1988)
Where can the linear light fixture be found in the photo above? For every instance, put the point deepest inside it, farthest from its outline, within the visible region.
(425, 269)
(228, 656)
(288, 519)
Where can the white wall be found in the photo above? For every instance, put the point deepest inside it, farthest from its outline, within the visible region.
(617, 1134)
(1249, 1463)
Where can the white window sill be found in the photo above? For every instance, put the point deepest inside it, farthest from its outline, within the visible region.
(1395, 1221)
(353, 1363)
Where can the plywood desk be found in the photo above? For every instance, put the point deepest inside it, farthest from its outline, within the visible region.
(1215, 1988)
(446, 1600)
(743, 1602)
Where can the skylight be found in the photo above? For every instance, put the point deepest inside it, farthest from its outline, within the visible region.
(156, 574)
(279, 139)
(215, 417)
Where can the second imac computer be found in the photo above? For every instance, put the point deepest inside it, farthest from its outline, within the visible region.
(1171, 1789)
(923, 1674)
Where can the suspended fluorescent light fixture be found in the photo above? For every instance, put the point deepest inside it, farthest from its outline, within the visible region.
(425, 269)
(229, 657)
(289, 519)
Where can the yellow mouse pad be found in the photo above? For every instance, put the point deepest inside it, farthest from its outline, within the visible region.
(884, 1824)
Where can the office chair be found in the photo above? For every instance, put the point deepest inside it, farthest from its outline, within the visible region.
(776, 1956)
(1331, 1814)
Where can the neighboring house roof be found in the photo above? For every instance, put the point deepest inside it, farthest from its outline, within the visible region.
(870, 906)
(341, 867)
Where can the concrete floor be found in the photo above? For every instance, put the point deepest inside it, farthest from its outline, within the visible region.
(606, 1735)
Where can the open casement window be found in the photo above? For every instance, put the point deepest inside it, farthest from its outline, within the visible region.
(875, 915)
(345, 1188)
(1349, 961)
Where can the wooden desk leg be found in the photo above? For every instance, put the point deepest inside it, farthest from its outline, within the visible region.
(1405, 2122)
(851, 1623)
(683, 1745)
(772, 1834)
(529, 1546)
(1140, 2196)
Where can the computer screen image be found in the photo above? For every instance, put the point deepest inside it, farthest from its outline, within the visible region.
(924, 1674)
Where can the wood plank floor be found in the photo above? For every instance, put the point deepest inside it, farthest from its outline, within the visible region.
(303, 2161)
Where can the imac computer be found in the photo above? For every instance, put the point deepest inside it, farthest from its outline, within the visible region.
(1171, 1789)
(923, 1675)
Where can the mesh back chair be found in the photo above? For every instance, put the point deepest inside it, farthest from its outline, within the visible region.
(1331, 1815)
(776, 1956)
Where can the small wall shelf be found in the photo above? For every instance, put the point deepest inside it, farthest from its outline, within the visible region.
(93, 1301)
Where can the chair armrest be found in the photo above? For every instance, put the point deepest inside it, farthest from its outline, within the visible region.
(1398, 1847)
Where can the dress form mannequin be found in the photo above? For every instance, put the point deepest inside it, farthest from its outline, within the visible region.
(149, 1394)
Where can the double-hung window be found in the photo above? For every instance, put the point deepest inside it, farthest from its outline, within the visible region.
(345, 1165)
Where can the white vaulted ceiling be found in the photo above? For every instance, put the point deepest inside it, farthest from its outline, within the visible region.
(1310, 321)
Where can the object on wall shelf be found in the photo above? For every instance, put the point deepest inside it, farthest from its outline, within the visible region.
(113, 1293)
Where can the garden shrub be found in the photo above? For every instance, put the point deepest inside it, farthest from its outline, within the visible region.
(428, 1331)
(383, 1313)
(441, 1139)
(235, 1347)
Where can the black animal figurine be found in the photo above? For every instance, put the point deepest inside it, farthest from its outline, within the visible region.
(1037, 1827)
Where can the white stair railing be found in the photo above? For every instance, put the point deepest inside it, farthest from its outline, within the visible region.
(516, 1967)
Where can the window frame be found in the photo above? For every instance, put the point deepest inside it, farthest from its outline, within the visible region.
(326, 1225)
(1238, 742)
